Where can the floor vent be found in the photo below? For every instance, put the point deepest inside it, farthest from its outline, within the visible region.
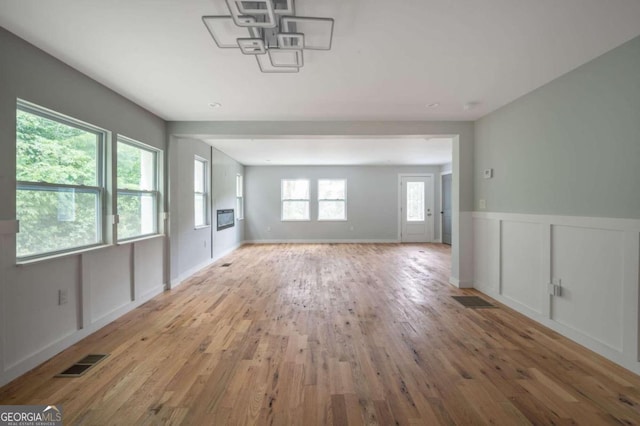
(226, 265)
(473, 302)
(82, 366)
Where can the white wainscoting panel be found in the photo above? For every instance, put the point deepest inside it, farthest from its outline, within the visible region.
(147, 266)
(486, 250)
(31, 301)
(107, 276)
(597, 260)
(521, 258)
(589, 263)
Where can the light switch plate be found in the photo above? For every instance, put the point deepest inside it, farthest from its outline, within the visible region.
(62, 297)
(482, 204)
(488, 173)
(555, 287)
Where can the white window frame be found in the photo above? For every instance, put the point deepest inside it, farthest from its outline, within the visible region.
(155, 193)
(344, 200)
(99, 190)
(283, 200)
(204, 194)
(239, 197)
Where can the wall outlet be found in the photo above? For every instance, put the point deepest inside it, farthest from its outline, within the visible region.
(205, 243)
(488, 173)
(63, 297)
(268, 229)
(482, 204)
(351, 228)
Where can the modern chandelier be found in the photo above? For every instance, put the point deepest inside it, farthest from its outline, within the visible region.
(270, 31)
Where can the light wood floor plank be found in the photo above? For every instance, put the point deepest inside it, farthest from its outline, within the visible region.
(330, 334)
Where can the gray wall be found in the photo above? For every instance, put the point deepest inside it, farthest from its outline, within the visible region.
(192, 249)
(462, 161)
(224, 172)
(571, 147)
(372, 203)
(101, 284)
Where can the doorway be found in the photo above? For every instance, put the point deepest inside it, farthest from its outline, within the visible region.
(446, 209)
(416, 208)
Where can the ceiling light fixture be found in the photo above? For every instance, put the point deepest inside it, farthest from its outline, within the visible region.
(433, 105)
(215, 104)
(270, 31)
(470, 105)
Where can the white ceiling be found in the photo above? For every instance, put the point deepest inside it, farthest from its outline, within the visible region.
(389, 58)
(332, 151)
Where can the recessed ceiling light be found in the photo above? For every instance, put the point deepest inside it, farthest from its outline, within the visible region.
(470, 105)
(215, 104)
(433, 105)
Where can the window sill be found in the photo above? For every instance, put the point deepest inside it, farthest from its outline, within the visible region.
(295, 220)
(138, 239)
(332, 220)
(62, 255)
(202, 227)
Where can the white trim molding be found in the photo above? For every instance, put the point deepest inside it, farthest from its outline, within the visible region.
(31, 361)
(192, 271)
(324, 241)
(433, 202)
(520, 258)
(449, 172)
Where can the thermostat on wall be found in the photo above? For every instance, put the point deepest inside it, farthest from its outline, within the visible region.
(488, 173)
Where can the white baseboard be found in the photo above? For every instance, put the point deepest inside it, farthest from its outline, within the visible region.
(175, 282)
(33, 360)
(460, 284)
(323, 241)
(192, 271)
(516, 257)
(605, 351)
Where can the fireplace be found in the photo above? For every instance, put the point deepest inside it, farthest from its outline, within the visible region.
(226, 219)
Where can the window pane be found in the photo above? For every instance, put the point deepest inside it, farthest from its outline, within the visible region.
(295, 189)
(239, 208)
(136, 168)
(200, 210)
(239, 186)
(295, 210)
(137, 215)
(199, 176)
(331, 189)
(331, 210)
(53, 152)
(55, 220)
(415, 201)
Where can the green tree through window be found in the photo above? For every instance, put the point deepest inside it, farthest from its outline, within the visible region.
(137, 189)
(59, 189)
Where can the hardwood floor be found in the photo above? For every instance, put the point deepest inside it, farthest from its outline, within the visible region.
(330, 334)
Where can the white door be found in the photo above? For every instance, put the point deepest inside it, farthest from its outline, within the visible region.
(416, 209)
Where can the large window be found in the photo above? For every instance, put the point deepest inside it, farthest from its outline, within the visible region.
(137, 189)
(295, 199)
(332, 199)
(201, 191)
(239, 197)
(59, 173)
